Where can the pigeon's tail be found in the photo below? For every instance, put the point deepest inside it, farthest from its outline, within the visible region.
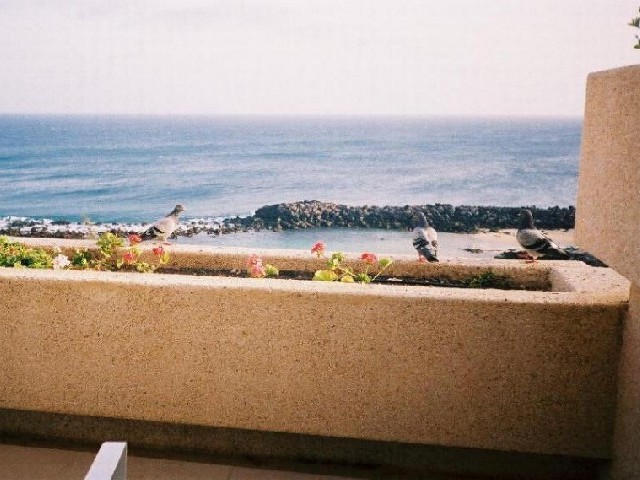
(425, 249)
(554, 252)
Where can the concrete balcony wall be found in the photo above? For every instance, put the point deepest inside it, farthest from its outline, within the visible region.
(519, 371)
(608, 209)
(608, 224)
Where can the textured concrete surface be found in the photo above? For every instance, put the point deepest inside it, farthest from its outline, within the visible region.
(506, 370)
(626, 463)
(608, 225)
(608, 208)
(211, 258)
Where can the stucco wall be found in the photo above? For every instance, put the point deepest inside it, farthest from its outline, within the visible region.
(504, 370)
(626, 463)
(608, 209)
(608, 225)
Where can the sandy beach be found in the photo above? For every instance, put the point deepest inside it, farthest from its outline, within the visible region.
(483, 244)
(382, 242)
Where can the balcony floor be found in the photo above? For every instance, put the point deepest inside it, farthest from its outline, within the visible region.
(19, 462)
(42, 463)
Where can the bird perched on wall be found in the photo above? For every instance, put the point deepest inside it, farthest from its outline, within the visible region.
(163, 228)
(425, 239)
(534, 241)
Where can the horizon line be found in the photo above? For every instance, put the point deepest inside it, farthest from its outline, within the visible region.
(315, 115)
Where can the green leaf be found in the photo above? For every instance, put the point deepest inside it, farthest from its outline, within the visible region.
(363, 278)
(347, 279)
(338, 256)
(325, 276)
(385, 262)
(271, 271)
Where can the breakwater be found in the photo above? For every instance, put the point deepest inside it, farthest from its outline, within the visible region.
(313, 213)
(444, 218)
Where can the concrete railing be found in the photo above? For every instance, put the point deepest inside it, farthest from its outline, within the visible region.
(523, 371)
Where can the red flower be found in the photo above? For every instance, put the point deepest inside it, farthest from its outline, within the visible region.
(134, 238)
(129, 257)
(159, 251)
(318, 248)
(369, 258)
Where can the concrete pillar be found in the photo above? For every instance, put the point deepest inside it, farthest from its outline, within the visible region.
(608, 209)
(608, 225)
(626, 442)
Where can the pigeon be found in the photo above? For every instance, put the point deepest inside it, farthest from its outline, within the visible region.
(164, 227)
(534, 241)
(425, 239)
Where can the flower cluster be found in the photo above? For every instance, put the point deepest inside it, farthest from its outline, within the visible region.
(106, 257)
(256, 268)
(131, 257)
(109, 256)
(337, 271)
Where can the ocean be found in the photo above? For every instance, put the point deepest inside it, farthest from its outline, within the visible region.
(136, 168)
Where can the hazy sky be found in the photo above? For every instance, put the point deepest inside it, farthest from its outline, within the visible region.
(308, 56)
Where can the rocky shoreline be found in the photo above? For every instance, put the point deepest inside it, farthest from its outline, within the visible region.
(313, 213)
(444, 218)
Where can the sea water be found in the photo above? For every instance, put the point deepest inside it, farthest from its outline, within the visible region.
(136, 168)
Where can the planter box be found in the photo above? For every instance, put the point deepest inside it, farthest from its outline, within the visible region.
(523, 371)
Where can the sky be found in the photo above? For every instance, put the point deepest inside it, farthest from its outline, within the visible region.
(352, 57)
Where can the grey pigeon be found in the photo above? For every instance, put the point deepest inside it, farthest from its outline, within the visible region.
(534, 241)
(425, 238)
(164, 227)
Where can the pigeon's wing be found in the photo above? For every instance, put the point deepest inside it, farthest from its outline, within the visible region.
(432, 236)
(150, 233)
(531, 239)
(536, 241)
(166, 225)
(424, 244)
(161, 229)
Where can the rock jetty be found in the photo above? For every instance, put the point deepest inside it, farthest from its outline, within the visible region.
(314, 213)
(444, 218)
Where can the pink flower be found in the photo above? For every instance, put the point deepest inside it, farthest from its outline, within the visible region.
(254, 260)
(159, 251)
(129, 257)
(369, 258)
(257, 271)
(255, 268)
(318, 248)
(134, 238)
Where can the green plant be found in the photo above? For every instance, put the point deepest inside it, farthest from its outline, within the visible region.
(100, 259)
(108, 256)
(485, 280)
(17, 255)
(635, 22)
(337, 271)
